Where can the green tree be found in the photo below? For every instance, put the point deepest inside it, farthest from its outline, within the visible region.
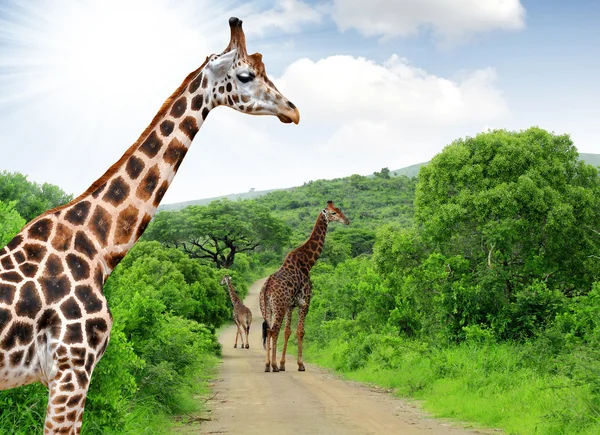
(384, 173)
(220, 230)
(520, 201)
(11, 222)
(512, 215)
(32, 198)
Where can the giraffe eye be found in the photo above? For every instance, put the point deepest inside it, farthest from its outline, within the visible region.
(333, 212)
(246, 77)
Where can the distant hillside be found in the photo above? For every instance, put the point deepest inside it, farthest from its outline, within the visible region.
(233, 197)
(409, 171)
(591, 159)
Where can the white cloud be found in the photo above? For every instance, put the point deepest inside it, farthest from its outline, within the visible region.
(450, 21)
(286, 15)
(361, 114)
(347, 89)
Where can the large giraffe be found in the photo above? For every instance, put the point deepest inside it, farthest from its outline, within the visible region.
(242, 316)
(290, 287)
(54, 319)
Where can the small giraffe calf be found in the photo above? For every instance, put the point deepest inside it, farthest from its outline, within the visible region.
(242, 316)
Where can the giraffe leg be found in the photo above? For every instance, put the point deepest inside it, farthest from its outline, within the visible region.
(268, 349)
(66, 402)
(286, 335)
(241, 328)
(238, 333)
(300, 335)
(274, 335)
(247, 340)
(241, 332)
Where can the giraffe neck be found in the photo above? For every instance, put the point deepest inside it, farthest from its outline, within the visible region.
(235, 300)
(308, 254)
(118, 206)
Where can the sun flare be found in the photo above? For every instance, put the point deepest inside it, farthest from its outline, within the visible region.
(91, 52)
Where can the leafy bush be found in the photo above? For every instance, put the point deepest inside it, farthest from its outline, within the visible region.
(32, 199)
(10, 222)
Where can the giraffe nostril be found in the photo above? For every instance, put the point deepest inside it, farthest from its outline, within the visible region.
(291, 105)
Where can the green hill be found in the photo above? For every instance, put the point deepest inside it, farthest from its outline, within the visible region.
(232, 197)
(592, 159)
(409, 171)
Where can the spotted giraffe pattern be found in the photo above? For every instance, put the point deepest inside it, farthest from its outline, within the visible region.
(54, 319)
(290, 287)
(242, 316)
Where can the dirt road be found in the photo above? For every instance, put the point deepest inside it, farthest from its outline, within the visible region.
(315, 402)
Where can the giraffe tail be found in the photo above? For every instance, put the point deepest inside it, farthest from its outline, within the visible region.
(264, 334)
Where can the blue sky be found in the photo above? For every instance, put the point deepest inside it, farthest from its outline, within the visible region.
(378, 83)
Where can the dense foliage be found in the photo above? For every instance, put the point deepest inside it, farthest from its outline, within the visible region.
(11, 222)
(32, 199)
(505, 231)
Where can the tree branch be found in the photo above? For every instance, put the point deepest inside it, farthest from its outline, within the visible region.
(490, 255)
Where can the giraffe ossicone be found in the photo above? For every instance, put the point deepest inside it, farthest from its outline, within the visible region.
(242, 316)
(290, 287)
(54, 319)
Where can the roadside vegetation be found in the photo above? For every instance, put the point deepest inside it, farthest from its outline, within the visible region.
(486, 307)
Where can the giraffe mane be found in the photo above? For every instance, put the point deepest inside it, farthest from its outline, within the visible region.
(115, 167)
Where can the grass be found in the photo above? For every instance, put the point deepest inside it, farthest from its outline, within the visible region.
(489, 385)
(196, 409)
(23, 409)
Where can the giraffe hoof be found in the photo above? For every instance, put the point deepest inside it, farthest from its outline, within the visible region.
(234, 346)
(275, 369)
(282, 368)
(301, 368)
(247, 346)
(267, 368)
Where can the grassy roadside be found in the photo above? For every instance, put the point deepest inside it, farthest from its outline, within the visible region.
(196, 404)
(489, 385)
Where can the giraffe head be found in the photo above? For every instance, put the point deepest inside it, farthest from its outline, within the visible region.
(332, 213)
(226, 280)
(238, 80)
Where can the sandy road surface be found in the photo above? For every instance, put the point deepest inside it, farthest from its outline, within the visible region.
(250, 401)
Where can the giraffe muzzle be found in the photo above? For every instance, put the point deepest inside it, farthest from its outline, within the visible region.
(290, 116)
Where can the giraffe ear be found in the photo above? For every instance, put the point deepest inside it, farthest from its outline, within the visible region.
(223, 63)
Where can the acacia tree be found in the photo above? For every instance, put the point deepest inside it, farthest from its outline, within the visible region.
(220, 230)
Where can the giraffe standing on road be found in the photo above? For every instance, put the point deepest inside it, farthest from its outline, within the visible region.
(242, 316)
(54, 319)
(290, 287)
